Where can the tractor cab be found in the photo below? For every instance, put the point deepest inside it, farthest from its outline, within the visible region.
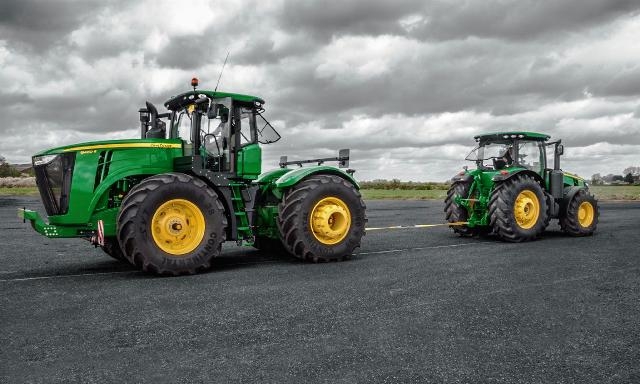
(222, 131)
(510, 150)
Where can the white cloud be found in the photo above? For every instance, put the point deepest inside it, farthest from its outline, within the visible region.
(381, 79)
(361, 58)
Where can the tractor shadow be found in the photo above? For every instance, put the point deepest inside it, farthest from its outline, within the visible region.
(245, 257)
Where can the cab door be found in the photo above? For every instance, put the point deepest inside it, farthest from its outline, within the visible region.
(249, 153)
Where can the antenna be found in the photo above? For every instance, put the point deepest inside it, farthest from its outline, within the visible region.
(225, 63)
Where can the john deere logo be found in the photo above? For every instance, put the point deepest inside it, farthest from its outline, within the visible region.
(160, 145)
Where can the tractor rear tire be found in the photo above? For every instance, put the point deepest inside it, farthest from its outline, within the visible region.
(171, 224)
(322, 219)
(581, 215)
(112, 248)
(456, 213)
(518, 209)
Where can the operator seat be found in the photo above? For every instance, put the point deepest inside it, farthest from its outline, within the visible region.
(504, 160)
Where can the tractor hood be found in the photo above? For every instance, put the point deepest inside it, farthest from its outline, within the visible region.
(93, 146)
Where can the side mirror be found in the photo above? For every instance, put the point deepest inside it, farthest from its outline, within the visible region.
(560, 149)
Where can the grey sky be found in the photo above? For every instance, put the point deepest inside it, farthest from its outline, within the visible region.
(404, 84)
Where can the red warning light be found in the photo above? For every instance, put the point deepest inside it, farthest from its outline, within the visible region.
(194, 82)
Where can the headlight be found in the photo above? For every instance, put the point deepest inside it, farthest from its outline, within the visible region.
(42, 160)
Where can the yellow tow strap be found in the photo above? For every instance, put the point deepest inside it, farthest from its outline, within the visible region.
(418, 226)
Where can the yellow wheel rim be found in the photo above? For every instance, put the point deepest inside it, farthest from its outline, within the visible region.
(330, 220)
(177, 227)
(585, 214)
(526, 209)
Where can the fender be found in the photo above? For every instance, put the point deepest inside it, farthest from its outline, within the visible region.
(500, 177)
(461, 178)
(271, 175)
(569, 193)
(295, 176)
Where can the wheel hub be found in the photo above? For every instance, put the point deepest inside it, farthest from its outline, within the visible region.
(330, 220)
(178, 227)
(526, 209)
(586, 214)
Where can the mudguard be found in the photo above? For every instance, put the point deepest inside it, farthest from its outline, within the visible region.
(461, 178)
(295, 176)
(271, 175)
(503, 177)
(569, 193)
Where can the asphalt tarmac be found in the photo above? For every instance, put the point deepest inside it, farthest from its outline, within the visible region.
(413, 305)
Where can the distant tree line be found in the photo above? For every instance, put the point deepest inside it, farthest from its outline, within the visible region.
(6, 170)
(630, 175)
(9, 170)
(397, 184)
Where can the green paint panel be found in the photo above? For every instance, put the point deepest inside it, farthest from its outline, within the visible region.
(293, 177)
(249, 162)
(96, 170)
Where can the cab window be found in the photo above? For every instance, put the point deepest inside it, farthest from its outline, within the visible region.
(529, 155)
(183, 125)
(247, 126)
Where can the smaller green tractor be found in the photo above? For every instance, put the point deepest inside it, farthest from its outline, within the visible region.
(513, 192)
(167, 201)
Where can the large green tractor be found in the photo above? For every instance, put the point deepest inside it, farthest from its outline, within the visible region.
(514, 193)
(167, 201)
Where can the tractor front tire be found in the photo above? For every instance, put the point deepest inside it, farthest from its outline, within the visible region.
(518, 209)
(581, 215)
(171, 224)
(112, 248)
(321, 219)
(455, 213)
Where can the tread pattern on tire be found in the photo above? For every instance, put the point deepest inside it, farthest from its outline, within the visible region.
(501, 216)
(127, 224)
(569, 219)
(294, 230)
(455, 213)
(112, 248)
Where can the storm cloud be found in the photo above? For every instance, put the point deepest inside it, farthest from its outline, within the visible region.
(405, 84)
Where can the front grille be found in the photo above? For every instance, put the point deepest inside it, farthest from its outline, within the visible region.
(104, 162)
(54, 183)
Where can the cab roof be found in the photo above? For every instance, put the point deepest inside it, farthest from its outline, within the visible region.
(179, 101)
(500, 136)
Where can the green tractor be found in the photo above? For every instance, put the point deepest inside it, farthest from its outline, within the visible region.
(514, 193)
(167, 201)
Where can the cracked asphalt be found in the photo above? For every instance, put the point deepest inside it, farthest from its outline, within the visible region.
(413, 305)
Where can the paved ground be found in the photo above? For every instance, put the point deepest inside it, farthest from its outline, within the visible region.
(414, 305)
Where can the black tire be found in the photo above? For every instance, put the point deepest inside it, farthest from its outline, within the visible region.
(112, 248)
(142, 240)
(455, 213)
(518, 223)
(302, 200)
(581, 215)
